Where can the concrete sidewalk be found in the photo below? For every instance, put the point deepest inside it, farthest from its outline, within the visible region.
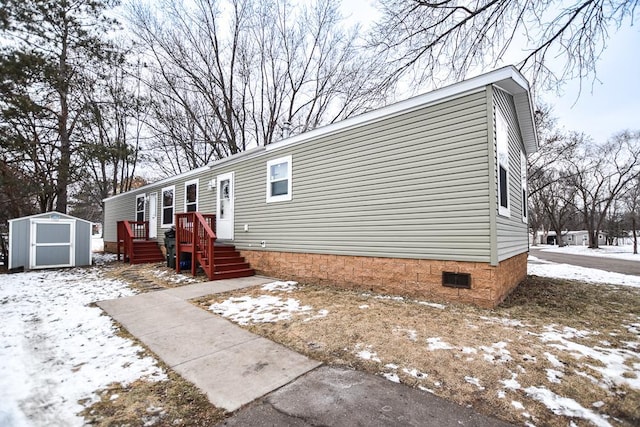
(235, 367)
(232, 366)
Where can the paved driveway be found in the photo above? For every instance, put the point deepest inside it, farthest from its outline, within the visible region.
(608, 264)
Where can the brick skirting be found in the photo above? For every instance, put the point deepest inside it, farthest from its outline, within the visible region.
(416, 278)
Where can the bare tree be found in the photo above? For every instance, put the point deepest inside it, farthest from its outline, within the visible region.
(631, 201)
(227, 75)
(600, 173)
(557, 201)
(109, 135)
(447, 38)
(550, 196)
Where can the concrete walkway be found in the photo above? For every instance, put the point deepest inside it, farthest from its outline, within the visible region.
(230, 365)
(235, 367)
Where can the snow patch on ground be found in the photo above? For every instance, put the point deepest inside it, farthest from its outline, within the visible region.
(432, 304)
(57, 350)
(414, 373)
(614, 367)
(474, 381)
(436, 343)
(262, 309)
(573, 272)
(618, 252)
(173, 277)
(321, 314)
(280, 286)
(410, 334)
(497, 352)
(504, 321)
(366, 353)
(392, 377)
(564, 406)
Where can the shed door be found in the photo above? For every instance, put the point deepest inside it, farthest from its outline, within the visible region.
(52, 243)
(224, 207)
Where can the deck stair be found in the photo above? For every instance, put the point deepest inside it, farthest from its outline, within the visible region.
(195, 236)
(146, 251)
(228, 264)
(134, 243)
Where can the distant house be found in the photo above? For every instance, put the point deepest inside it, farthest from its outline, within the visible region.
(573, 238)
(426, 198)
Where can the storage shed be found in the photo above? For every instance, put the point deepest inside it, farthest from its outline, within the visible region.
(49, 240)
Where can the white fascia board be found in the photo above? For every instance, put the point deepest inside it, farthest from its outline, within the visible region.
(508, 78)
(162, 181)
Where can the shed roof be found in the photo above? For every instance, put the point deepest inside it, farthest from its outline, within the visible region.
(50, 215)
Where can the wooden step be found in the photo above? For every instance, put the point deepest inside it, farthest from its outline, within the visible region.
(231, 266)
(233, 274)
(146, 251)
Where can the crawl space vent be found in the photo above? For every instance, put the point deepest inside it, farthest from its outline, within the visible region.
(456, 280)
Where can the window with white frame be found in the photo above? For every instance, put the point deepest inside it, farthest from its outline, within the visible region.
(140, 208)
(502, 148)
(523, 177)
(168, 205)
(191, 196)
(279, 179)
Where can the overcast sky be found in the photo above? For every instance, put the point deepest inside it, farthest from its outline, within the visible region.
(610, 105)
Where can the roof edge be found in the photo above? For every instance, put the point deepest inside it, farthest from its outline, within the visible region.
(66, 216)
(508, 78)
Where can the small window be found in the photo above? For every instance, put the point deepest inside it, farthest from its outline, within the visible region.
(191, 196)
(502, 148)
(168, 205)
(523, 176)
(140, 213)
(279, 179)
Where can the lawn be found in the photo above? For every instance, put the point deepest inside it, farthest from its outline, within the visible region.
(557, 351)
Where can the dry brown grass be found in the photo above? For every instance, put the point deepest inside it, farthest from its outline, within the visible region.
(399, 333)
(171, 402)
(150, 277)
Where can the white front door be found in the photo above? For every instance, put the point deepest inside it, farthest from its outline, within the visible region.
(52, 243)
(153, 215)
(224, 206)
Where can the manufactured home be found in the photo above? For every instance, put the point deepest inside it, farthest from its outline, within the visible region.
(424, 198)
(49, 240)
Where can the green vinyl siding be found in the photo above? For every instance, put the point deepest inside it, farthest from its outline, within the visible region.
(512, 238)
(122, 207)
(415, 185)
(409, 186)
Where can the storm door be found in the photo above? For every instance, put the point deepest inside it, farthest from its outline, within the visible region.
(224, 206)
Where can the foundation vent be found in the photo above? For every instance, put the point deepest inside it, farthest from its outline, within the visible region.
(456, 280)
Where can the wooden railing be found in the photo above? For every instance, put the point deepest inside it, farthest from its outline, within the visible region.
(128, 231)
(194, 234)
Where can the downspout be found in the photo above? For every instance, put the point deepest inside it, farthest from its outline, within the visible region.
(493, 187)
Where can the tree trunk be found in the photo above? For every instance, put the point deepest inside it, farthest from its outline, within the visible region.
(63, 130)
(635, 234)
